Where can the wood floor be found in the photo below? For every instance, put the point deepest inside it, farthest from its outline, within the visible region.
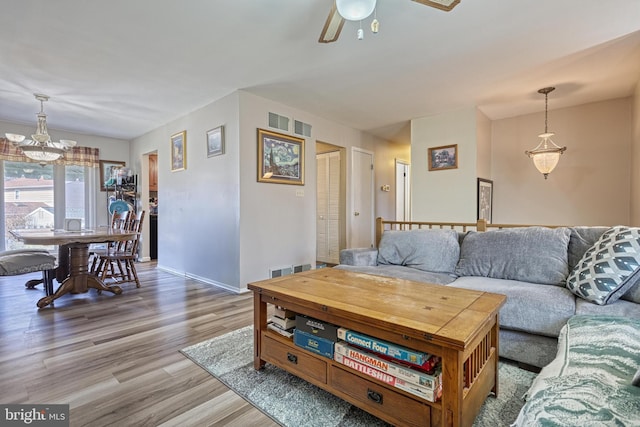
(114, 358)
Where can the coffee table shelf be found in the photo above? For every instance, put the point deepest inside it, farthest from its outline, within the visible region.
(458, 325)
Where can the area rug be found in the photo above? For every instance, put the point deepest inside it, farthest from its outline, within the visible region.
(290, 401)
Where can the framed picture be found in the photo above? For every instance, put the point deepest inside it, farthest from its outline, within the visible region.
(179, 151)
(215, 141)
(485, 199)
(280, 158)
(107, 173)
(445, 157)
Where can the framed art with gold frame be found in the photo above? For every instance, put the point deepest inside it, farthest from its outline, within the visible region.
(443, 157)
(179, 151)
(280, 158)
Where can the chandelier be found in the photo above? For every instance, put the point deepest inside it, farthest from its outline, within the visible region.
(40, 147)
(547, 154)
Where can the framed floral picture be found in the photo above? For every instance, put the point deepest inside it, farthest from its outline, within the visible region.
(179, 151)
(215, 141)
(280, 158)
(444, 157)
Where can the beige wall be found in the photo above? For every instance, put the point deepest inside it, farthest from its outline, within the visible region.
(446, 195)
(590, 185)
(483, 135)
(635, 160)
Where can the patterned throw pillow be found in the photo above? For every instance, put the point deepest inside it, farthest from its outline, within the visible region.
(609, 268)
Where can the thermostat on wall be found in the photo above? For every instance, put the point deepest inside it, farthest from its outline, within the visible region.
(73, 224)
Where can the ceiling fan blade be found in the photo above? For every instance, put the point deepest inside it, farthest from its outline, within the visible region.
(332, 27)
(445, 5)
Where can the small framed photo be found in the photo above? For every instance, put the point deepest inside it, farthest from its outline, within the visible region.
(108, 173)
(215, 141)
(179, 151)
(441, 158)
(485, 199)
(280, 158)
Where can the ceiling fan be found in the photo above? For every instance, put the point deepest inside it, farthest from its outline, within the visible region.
(335, 21)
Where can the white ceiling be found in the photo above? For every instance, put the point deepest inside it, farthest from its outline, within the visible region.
(121, 68)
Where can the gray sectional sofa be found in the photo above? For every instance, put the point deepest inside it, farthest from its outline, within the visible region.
(548, 275)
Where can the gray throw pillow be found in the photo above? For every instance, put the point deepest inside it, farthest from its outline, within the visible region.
(529, 254)
(428, 250)
(609, 268)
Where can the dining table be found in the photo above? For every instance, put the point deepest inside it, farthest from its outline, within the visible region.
(73, 257)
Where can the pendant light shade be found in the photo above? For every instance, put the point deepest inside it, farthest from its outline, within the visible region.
(547, 154)
(355, 10)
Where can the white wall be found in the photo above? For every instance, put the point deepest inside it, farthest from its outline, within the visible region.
(215, 221)
(385, 156)
(590, 185)
(277, 227)
(199, 208)
(445, 195)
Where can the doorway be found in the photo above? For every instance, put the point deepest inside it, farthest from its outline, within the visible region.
(362, 216)
(153, 205)
(330, 202)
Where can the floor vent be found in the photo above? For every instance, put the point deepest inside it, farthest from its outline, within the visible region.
(301, 268)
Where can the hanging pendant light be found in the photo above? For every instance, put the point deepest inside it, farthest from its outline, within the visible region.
(547, 154)
(355, 10)
(41, 148)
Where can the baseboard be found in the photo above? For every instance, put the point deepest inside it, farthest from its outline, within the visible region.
(202, 279)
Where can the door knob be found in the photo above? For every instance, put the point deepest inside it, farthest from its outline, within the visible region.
(356, 213)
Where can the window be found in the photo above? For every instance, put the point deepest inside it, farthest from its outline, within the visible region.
(29, 196)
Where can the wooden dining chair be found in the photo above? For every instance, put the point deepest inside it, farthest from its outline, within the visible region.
(118, 263)
(119, 221)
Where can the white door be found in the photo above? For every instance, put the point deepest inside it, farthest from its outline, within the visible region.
(328, 207)
(362, 212)
(403, 191)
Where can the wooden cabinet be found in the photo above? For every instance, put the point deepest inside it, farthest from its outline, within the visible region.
(153, 172)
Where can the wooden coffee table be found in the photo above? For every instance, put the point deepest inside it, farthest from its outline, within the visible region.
(459, 325)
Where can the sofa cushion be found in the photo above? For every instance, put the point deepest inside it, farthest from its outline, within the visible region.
(531, 254)
(633, 294)
(609, 268)
(582, 238)
(400, 272)
(621, 308)
(533, 308)
(359, 256)
(428, 250)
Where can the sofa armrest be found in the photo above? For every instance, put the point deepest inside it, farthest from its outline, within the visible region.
(359, 256)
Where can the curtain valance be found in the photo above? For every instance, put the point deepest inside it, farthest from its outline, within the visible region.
(78, 156)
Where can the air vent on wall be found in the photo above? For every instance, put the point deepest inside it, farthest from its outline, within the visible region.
(301, 128)
(280, 271)
(277, 121)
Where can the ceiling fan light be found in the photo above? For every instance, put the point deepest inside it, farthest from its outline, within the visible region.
(355, 10)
